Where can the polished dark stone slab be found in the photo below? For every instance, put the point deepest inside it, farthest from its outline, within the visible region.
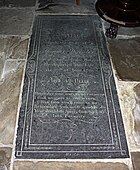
(66, 7)
(70, 108)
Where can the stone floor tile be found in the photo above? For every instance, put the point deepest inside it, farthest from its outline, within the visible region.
(19, 3)
(127, 102)
(12, 48)
(136, 115)
(129, 95)
(134, 31)
(58, 7)
(1, 65)
(18, 165)
(136, 160)
(125, 54)
(9, 92)
(125, 31)
(2, 54)
(16, 47)
(16, 21)
(5, 158)
(3, 42)
(10, 67)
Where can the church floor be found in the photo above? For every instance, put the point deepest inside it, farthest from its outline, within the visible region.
(15, 31)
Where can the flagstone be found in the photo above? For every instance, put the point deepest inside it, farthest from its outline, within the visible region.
(16, 47)
(125, 55)
(9, 91)
(16, 21)
(127, 102)
(12, 48)
(136, 114)
(19, 3)
(68, 166)
(2, 54)
(5, 158)
(136, 160)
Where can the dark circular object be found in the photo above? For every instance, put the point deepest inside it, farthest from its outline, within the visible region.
(124, 13)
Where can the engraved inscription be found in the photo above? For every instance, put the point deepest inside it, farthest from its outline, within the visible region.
(68, 94)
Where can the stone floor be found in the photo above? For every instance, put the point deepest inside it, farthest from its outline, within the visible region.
(15, 30)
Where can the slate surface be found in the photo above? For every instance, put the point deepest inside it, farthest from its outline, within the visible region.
(70, 108)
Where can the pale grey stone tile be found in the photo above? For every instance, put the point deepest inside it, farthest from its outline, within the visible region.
(12, 48)
(10, 67)
(2, 54)
(136, 160)
(68, 166)
(126, 95)
(136, 115)
(16, 21)
(16, 47)
(17, 3)
(125, 54)
(5, 158)
(1, 65)
(9, 92)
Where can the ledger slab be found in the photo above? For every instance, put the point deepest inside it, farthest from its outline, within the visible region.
(69, 101)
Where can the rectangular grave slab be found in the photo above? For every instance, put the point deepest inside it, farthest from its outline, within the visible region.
(70, 108)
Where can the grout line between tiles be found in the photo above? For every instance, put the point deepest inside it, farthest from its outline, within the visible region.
(6, 145)
(22, 8)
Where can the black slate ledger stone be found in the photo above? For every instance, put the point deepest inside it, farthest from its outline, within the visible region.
(70, 108)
